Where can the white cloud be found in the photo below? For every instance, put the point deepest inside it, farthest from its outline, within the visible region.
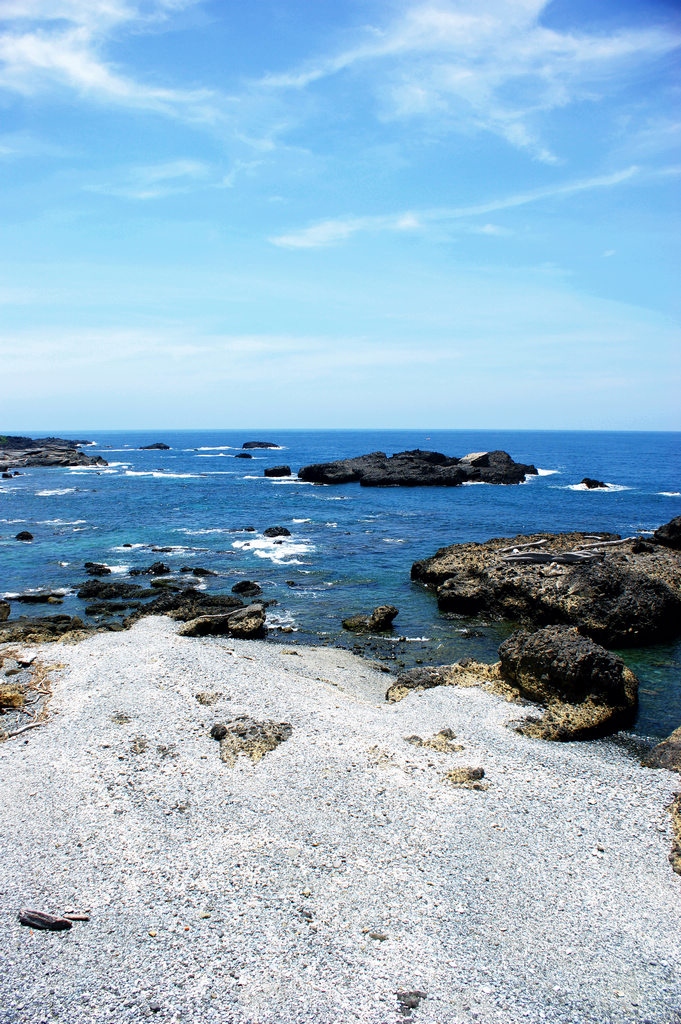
(491, 66)
(329, 232)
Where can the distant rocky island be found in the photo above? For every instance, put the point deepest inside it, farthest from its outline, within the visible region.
(419, 469)
(17, 452)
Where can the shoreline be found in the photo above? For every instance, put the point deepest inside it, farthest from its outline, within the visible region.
(548, 896)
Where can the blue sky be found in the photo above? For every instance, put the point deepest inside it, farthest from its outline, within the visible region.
(302, 213)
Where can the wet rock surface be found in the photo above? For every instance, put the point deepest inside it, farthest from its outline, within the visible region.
(244, 623)
(277, 471)
(380, 619)
(418, 468)
(44, 451)
(669, 534)
(667, 754)
(618, 592)
(593, 485)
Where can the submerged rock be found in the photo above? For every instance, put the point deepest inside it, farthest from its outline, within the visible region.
(592, 484)
(618, 592)
(419, 469)
(380, 620)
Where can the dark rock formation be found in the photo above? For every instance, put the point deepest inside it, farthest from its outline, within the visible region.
(97, 569)
(111, 591)
(245, 623)
(669, 535)
(40, 630)
(278, 471)
(247, 588)
(44, 451)
(198, 571)
(159, 446)
(38, 597)
(587, 690)
(592, 484)
(260, 444)
(243, 455)
(276, 531)
(380, 620)
(5, 609)
(667, 754)
(419, 469)
(616, 593)
(187, 604)
(24, 535)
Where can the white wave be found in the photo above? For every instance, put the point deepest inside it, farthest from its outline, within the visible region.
(394, 540)
(213, 448)
(665, 494)
(547, 472)
(14, 520)
(477, 483)
(293, 520)
(164, 476)
(119, 569)
(333, 526)
(198, 533)
(220, 455)
(282, 553)
(60, 522)
(129, 547)
(281, 619)
(59, 490)
(335, 498)
(596, 490)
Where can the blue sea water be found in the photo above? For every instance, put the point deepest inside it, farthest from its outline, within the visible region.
(350, 547)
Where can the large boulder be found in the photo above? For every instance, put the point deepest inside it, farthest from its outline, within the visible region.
(587, 690)
(278, 471)
(417, 468)
(380, 620)
(260, 444)
(276, 531)
(246, 624)
(669, 534)
(619, 592)
(667, 754)
(159, 446)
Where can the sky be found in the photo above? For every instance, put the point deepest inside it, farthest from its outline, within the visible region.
(340, 213)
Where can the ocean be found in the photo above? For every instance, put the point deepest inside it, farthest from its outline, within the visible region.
(350, 548)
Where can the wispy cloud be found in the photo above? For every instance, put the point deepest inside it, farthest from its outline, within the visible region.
(329, 232)
(491, 67)
(169, 178)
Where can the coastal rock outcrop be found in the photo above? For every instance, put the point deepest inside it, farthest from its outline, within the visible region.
(159, 446)
(24, 535)
(278, 471)
(248, 588)
(245, 735)
(592, 485)
(243, 455)
(418, 468)
(619, 592)
(97, 569)
(667, 754)
(380, 620)
(260, 444)
(669, 534)
(587, 690)
(44, 451)
(244, 623)
(5, 609)
(42, 630)
(276, 531)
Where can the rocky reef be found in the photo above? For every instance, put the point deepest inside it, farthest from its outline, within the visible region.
(619, 591)
(17, 452)
(419, 469)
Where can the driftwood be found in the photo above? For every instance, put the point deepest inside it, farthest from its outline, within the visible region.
(547, 557)
(45, 922)
(520, 547)
(604, 544)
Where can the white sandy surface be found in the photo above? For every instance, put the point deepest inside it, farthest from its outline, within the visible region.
(250, 893)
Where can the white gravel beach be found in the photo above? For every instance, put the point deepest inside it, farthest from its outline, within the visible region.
(340, 870)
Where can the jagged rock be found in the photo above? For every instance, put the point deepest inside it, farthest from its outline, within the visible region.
(5, 609)
(669, 534)
(159, 446)
(588, 691)
(592, 484)
(187, 604)
(247, 587)
(442, 742)
(465, 673)
(467, 778)
(418, 469)
(39, 630)
(278, 471)
(245, 735)
(380, 620)
(198, 571)
(276, 531)
(97, 569)
(24, 535)
(244, 623)
(38, 597)
(44, 451)
(667, 754)
(260, 444)
(621, 596)
(110, 591)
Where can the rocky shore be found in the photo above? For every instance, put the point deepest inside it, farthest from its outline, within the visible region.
(238, 832)
(19, 452)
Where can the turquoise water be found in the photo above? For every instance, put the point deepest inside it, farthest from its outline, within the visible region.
(351, 547)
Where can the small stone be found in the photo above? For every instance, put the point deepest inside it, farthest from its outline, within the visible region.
(218, 731)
